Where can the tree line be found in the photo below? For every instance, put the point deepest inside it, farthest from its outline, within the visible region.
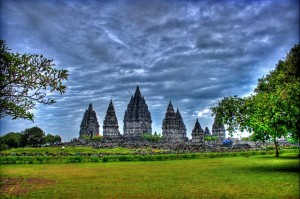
(33, 137)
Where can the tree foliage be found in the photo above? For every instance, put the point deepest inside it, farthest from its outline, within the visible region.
(97, 138)
(12, 140)
(26, 79)
(151, 138)
(33, 136)
(52, 139)
(273, 111)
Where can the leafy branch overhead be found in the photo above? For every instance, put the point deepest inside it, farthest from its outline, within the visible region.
(27, 79)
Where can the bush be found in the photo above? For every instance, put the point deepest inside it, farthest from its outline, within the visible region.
(94, 158)
(105, 159)
(74, 159)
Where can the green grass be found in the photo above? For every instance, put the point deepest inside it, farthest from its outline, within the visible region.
(231, 177)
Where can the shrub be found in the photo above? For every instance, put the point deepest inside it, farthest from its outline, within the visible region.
(74, 159)
(94, 158)
(105, 159)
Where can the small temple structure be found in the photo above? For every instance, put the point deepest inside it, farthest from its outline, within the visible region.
(198, 134)
(137, 118)
(89, 125)
(173, 128)
(110, 123)
(207, 132)
(218, 130)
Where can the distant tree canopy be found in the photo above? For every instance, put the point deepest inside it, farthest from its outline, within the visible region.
(11, 140)
(273, 111)
(34, 136)
(25, 80)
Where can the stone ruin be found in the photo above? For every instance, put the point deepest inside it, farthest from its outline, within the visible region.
(198, 134)
(137, 121)
(218, 130)
(110, 123)
(173, 128)
(89, 125)
(137, 118)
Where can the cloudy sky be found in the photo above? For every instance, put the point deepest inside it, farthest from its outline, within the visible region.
(191, 52)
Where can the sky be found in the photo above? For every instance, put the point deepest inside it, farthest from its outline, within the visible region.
(191, 52)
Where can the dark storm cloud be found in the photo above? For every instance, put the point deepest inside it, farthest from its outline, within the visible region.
(191, 52)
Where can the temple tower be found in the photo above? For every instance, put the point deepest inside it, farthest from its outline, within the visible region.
(207, 132)
(218, 129)
(198, 134)
(110, 123)
(173, 128)
(182, 128)
(89, 125)
(137, 118)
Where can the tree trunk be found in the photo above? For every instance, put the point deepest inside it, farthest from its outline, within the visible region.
(276, 147)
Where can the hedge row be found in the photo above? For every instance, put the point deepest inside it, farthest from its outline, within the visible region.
(47, 159)
(117, 158)
(181, 156)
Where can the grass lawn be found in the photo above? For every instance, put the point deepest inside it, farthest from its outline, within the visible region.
(231, 177)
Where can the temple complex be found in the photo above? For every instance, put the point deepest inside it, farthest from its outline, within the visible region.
(197, 134)
(218, 129)
(110, 123)
(137, 121)
(173, 128)
(89, 125)
(137, 118)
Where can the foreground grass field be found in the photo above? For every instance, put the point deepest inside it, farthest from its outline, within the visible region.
(230, 177)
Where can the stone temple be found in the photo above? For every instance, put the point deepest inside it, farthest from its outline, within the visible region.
(89, 125)
(110, 123)
(206, 131)
(137, 118)
(137, 121)
(218, 129)
(173, 128)
(198, 133)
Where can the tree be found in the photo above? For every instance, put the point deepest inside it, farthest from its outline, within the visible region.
(273, 111)
(26, 79)
(57, 139)
(12, 140)
(151, 138)
(33, 136)
(97, 138)
(207, 138)
(52, 139)
(49, 139)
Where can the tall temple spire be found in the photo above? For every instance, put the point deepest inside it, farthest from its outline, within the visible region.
(89, 125)
(137, 118)
(110, 123)
(170, 108)
(173, 128)
(90, 107)
(181, 123)
(137, 92)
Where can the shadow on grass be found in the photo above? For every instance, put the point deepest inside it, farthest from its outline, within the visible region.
(288, 164)
(269, 168)
(281, 156)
